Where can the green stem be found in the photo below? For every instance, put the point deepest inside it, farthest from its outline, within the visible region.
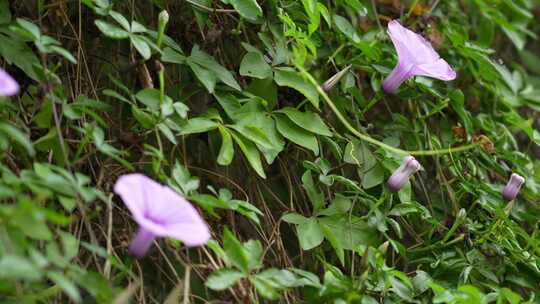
(161, 76)
(372, 140)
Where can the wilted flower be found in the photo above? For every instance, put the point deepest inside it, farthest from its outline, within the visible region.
(416, 56)
(8, 85)
(513, 186)
(160, 212)
(408, 167)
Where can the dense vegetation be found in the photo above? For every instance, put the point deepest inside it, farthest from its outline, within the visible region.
(228, 104)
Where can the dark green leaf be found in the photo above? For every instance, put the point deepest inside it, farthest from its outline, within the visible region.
(307, 120)
(292, 79)
(223, 279)
(253, 65)
(235, 251)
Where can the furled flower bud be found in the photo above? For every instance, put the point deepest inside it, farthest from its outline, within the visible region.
(513, 186)
(408, 167)
(332, 81)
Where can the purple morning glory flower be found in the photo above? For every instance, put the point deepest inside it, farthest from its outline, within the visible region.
(8, 85)
(416, 56)
(513, 186)
(160, 212)
(408, 167)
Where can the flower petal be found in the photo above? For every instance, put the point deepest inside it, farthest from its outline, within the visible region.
(191, 234)
(439, 69)
(8, 85)
(410, 47)
(136, 190)
(180, 218)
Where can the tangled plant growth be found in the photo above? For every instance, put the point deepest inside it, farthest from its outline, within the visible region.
(340, 151)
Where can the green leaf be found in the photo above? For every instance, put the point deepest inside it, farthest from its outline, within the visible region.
(209, 202)
(18, 268)
(226, 152)
(141, 46)
(292, 79)
(294, 218)
(136, 27)
(235, 251)
(253, 65)
(266, 89)
(120, 19)
(198, 125)
(250, 152)
(310, 234)
(373, 177)
(329, 235)
(184, 180)
(339, 206)
(350, 231)
(172, 56)
(66, 284)
(401, 289)
(312, 10)
(20, 54)
(31, 28)
(260, 128)
(111, 31)
(207, 78)
(208, 62)
(296, 134)
(457, 101)
(254, 134)
(316, 197)
(150, 98)
(358, 153)
(14, 134)
(307, 120)
(70, 244)
(254, 252)
(146, 120)
(346, 28)
(248, 9)
(64, 53)
(265, 287)
(223, 279)
(167, 132)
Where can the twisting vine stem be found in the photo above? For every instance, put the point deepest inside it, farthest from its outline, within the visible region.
(372, 140)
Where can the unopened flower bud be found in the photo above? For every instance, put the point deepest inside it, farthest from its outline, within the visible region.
(332, 81)
(408, 167)
(163, 18)
(513, 186)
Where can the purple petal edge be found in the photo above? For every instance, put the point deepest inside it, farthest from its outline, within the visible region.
(8, 85)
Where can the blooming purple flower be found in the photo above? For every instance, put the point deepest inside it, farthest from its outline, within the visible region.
(416, 56)
(160, 212)
(409, 166)
(513, 186)
(8, 85)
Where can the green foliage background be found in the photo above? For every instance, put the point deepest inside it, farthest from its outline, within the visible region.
(221, 100)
